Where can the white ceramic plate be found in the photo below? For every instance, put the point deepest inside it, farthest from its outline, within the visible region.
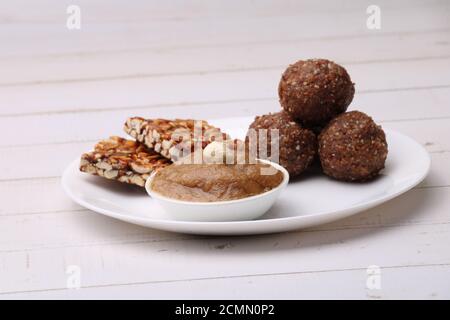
(311, 200)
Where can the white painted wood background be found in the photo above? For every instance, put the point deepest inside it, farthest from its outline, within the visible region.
(62, 90)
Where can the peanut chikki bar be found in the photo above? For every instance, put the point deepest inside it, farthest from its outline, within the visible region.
(122, 160)
(171, 138)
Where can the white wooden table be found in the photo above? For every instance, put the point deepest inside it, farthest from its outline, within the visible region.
(61, 90)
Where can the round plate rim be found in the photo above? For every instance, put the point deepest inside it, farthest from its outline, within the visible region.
(293, 223)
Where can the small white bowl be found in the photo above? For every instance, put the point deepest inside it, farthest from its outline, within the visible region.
(233, 210)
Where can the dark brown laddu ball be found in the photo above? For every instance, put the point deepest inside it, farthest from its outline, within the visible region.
(315, 91)
(352, 147)
(297, 145)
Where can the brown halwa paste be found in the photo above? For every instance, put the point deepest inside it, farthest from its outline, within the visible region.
(215, 182)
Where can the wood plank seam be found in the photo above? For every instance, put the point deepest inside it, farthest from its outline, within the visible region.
(234, 44)
(194, 103)
(121, 242)
(229, 277)
(191, 73)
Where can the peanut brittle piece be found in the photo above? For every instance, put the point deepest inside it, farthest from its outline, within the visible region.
(173, 139)
(122, 160)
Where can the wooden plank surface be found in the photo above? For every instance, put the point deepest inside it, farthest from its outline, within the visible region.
(61, 90)
(346, 284)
